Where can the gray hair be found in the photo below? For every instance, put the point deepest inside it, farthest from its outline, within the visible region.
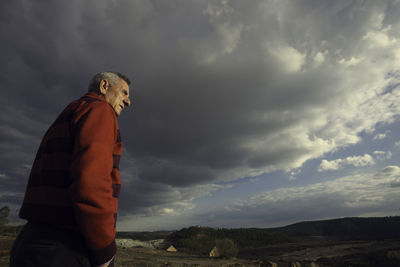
(111, 76)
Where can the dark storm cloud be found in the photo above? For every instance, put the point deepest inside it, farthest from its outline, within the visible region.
(145, 192)
(221, 90)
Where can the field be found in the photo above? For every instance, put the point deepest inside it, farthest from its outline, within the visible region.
(322, 253)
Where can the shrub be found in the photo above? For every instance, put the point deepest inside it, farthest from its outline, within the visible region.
(226, 248)
(4, 212)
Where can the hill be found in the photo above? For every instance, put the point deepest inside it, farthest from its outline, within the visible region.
(201, 239)
(144, 236)
(347, 228)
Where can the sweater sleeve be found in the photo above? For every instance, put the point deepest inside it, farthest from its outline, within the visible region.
(91, 190)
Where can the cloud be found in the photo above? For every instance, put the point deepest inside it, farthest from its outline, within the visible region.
(388, 171)
(380, 136)
(289, 58)
(356, 161)
(155, 197)
(382, 155)
(355, 195)
(293, 174)
(222, 90)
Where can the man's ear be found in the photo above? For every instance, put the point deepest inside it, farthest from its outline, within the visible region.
(103, 87)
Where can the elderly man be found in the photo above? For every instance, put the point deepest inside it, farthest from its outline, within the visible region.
(71, 198)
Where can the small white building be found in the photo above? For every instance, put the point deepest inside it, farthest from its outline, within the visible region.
(172, 249)
(214, 252)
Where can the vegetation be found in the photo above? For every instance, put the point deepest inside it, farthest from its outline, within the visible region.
(7, 230)
(144, 236)
(226, 248)
(202, 239)
(4, 212)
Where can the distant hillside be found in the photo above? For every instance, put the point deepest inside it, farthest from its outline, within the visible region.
(144, 236)
(347, 228)
(202, 238)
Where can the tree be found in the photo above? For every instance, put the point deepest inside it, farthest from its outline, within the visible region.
(4, 212)
(226, 248)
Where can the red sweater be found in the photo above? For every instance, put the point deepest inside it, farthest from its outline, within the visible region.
(74, 181)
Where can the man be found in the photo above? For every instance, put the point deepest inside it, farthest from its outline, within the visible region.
(72, 194)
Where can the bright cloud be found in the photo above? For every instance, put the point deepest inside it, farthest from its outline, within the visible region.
(380, 136)
(382, 155)
(356, 161)
(289, 58)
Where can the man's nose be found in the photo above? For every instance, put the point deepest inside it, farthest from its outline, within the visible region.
(127, 101)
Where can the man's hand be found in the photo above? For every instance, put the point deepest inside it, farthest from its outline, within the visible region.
(107, 264)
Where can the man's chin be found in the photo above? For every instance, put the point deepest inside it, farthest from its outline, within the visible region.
(117, 111)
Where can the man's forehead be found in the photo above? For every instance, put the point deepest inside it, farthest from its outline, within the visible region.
(124, 85)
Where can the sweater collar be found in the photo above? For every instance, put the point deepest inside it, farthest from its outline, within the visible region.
(94, 95)
(98, 98)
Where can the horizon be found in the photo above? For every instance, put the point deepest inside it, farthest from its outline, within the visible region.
(266, 228)
(244, 113)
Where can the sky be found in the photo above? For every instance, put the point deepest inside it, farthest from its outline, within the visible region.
(244, 113)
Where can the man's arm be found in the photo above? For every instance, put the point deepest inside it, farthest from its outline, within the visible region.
(94, 130)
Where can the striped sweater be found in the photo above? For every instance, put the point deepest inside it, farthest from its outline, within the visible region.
(74, 181)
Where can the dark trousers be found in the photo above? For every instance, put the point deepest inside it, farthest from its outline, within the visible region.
(48, 246)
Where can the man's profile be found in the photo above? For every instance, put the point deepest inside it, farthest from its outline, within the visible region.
(71, 199)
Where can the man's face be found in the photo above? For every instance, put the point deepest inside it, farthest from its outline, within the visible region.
(117, 95)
